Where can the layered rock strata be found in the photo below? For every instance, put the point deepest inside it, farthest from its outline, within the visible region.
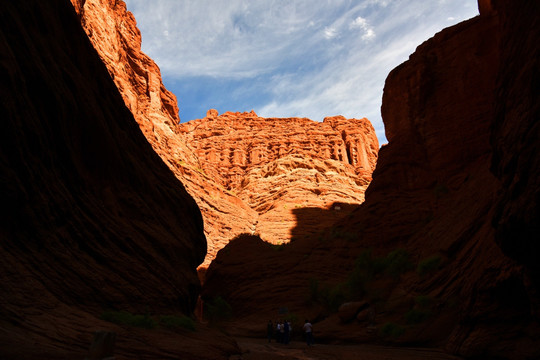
(279, 165)
(230, 145)
(456, 187)
(92, 219)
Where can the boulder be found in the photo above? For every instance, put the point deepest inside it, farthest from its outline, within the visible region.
(349, 311)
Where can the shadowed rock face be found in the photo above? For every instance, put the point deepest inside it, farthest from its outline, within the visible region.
(515, 160)
(92, 219)
(458, 182)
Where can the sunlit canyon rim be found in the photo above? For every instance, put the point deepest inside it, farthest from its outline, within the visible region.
(108, 202)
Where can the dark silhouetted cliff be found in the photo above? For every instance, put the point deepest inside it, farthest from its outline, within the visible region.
(92, 219)
(444, 251)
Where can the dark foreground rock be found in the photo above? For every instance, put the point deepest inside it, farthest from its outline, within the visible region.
(445, 246)
(92, 219)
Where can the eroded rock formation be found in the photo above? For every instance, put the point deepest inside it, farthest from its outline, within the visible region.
(456, 187)
(279, 165)
(92, 219)
(113, 32)
(230, 145)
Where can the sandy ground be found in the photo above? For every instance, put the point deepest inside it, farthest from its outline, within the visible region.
(260, 349)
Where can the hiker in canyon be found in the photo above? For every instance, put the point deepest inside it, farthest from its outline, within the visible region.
(269, 330)
(279, 331)
(286, 332)
(308, 330)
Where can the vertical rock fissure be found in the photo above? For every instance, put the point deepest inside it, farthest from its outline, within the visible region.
(349, 159)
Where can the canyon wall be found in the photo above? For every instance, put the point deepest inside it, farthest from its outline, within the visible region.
(230, 145)
(225, 171)
(278, 165)
(454, 194)
(515, 158)
(92, 219)
(113, 32)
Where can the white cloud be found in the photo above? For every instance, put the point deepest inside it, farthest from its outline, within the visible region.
(330, 32)
(368, 35)
(226, 39)
(359, 22)
(362, 24)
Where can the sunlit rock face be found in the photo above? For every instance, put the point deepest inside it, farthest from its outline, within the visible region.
(227, 173)
(232, 144)
(457, 182)
(113, 32)
(279, 165)
(92, 219)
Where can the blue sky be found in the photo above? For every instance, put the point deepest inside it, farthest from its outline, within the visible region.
(285, 58)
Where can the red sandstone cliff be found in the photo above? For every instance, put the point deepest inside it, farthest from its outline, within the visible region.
(113, 32)
(456, 187)
(92, 219)
(232, 144)
(278, 165)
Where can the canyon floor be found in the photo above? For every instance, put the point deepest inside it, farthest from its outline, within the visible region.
(260, 349)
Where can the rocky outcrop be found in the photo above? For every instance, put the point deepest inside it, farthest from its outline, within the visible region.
(113, 32)
(279, 165)
(454, 192)
(92, 219)
(230, 145)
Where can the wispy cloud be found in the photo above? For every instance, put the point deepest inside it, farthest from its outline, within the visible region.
(362, 24)
(330, 32)
(287, 58)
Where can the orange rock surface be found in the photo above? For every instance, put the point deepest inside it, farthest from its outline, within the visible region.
(230, 145)
(278, 165)
(113, 32)
(215, 156)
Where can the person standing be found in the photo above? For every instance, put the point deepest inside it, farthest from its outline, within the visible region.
(279, 332)
(308, 330)
(290, 331)
(269, 330)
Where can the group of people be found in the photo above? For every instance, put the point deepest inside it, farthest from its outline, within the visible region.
(283, 330)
